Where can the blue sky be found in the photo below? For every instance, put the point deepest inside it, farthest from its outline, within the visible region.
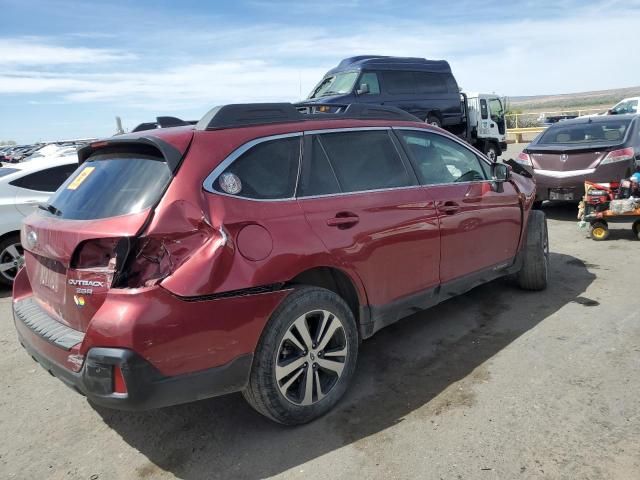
(67, 68)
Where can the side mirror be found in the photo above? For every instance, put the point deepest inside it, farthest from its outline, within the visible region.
(364, 88)
(500, 172)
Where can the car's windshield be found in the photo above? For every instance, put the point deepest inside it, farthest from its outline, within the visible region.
(337, 84)
(628, 106)
(608, 132)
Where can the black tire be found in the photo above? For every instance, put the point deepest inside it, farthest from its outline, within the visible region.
(534, 274)
(636, 229)
(264, 391)
(599, 231)
(433, 120)
(7, 255)
(491, 151)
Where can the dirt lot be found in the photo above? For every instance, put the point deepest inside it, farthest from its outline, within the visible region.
(496, 384)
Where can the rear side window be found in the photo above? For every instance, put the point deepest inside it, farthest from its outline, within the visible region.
(440, 160)
(48, 180)
(110, 185)
(267, 171)
(418, 82)
(318, 177)
(364, 160)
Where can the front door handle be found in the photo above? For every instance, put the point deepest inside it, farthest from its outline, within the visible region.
(343, 220)
(449, 208)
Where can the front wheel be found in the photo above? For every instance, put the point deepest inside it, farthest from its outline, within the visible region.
(635, 228)
(305, 359)
(534, 274)
(599, 231)
(491, 151)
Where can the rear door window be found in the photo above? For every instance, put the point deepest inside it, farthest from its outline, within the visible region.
(110, 185)
(364, 160)
(318, 177)
(439, 160)
(48, 180)
(267, 171)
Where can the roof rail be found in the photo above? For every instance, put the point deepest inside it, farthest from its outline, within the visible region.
(163, 122)
(252, 114)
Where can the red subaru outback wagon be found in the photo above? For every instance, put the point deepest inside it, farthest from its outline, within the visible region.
(253, 251)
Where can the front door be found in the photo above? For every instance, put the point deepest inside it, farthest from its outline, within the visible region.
(362, 200)
(479, 227)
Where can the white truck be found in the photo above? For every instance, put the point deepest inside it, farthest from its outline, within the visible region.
(486, 126)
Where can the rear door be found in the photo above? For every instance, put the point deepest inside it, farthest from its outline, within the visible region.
(71, 245)
(479, 227)
(362, 200)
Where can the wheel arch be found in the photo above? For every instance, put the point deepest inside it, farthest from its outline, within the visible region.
(339, 282)
(9, 234)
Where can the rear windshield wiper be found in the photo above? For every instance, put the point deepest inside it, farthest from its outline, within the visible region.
(49, 208)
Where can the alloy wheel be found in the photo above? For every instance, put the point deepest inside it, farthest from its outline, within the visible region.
(11, 259)
(311, 357)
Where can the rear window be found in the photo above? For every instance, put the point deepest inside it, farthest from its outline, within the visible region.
(110, 185)
(608, 132)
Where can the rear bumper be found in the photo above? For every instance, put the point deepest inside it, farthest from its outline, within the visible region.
(147, 388)
(547, 180)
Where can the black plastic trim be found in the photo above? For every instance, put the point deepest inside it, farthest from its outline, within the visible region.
(380, 316)
(147, 388)
(252, 114)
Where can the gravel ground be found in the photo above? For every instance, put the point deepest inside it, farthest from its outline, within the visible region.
(496, 384)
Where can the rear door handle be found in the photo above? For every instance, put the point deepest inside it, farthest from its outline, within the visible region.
(449, 208)
(343, 220)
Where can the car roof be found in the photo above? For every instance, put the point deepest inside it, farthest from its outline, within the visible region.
(381, 62)
(594, 119)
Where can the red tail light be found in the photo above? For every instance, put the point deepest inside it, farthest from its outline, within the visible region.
(622, 155)
(524, 159)
(119, 385)
(153, 258)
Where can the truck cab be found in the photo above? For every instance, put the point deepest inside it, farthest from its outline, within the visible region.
(486, 123)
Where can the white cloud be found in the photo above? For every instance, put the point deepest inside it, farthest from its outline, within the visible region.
(590, 50)
(36, 51)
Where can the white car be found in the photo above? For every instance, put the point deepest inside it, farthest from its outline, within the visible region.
(22, 187)
(627, 105)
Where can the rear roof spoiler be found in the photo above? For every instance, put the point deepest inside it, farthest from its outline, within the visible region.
(172, 155)
(253, 114)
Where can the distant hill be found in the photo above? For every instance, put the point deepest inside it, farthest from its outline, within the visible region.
(596, 99)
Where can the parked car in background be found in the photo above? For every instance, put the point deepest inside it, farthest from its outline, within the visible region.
(626, 106)
(597, 148)
(424, 88)
(22, 187)
(253, 252)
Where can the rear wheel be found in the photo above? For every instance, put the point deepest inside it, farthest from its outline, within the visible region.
(636, 229)
(535, 266)
(599, 231)
(433, 120)
(11, 259)
(305, 359)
